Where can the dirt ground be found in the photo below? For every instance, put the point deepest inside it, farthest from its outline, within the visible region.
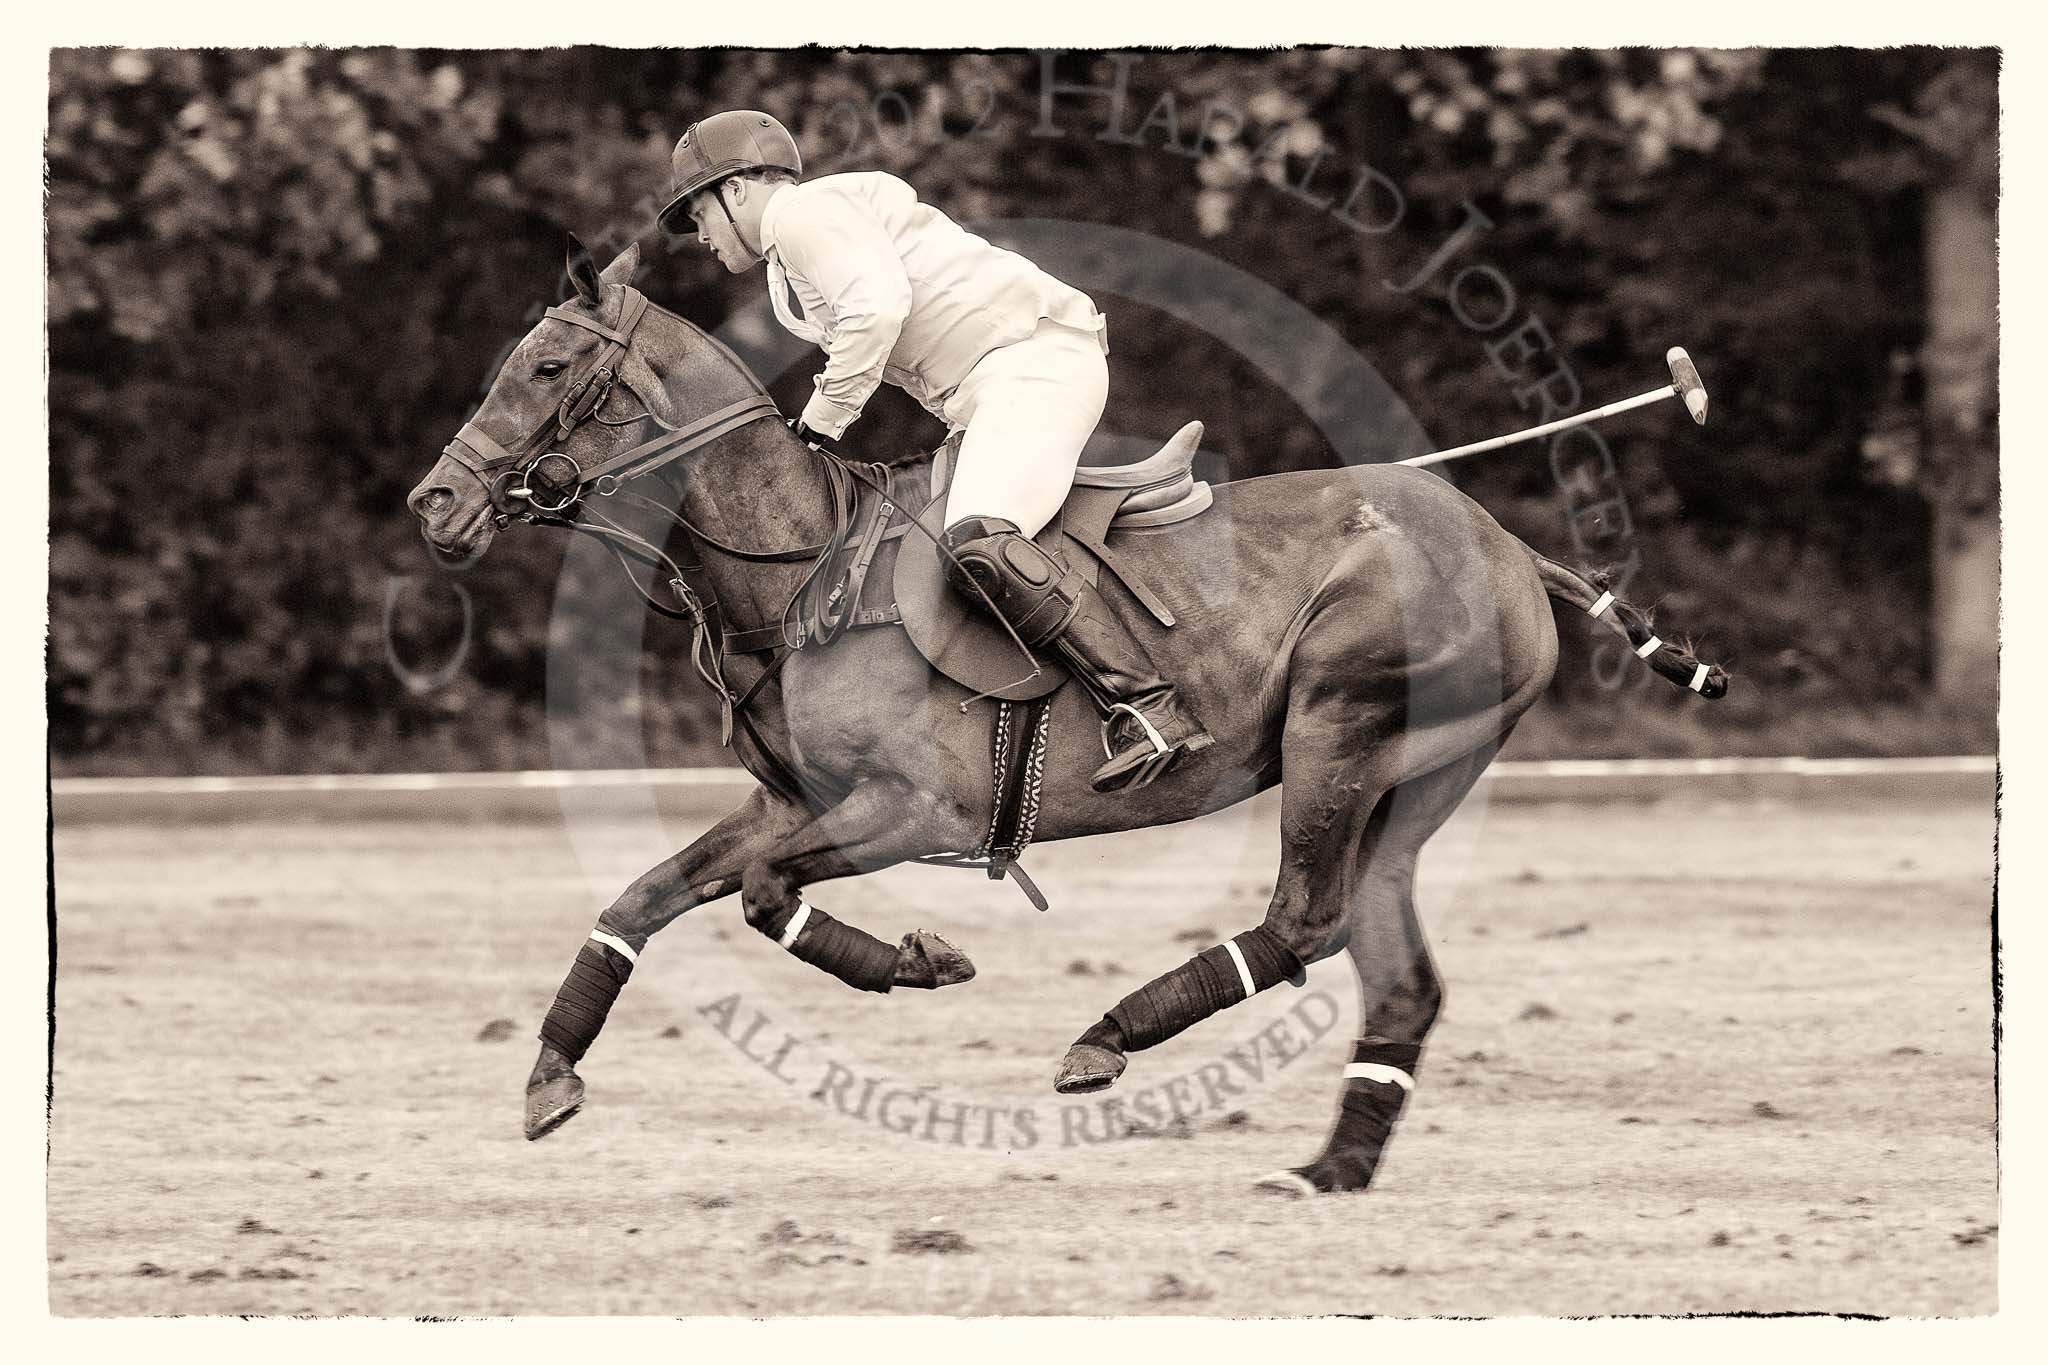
(1694, 1058)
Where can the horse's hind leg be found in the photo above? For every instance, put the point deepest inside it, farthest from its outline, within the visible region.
(1398, 982)
(1334, 781)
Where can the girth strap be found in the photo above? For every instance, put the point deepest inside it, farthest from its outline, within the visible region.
(1017, 763)
(1019, 774)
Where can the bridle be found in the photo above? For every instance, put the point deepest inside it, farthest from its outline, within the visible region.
(520, 487)
(521, 480)
(524, 484)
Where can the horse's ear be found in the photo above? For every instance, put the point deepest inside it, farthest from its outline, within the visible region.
(623, 266)
(582, 271)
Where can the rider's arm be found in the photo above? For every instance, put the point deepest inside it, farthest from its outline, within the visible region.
(843, 250)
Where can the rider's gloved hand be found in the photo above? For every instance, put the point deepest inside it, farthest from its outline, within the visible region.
(816, 440)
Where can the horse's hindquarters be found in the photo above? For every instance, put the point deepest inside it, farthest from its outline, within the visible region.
(1411, 589)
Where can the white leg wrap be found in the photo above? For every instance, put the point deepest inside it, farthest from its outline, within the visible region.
(1606, 601)
(615, 943)
(1244, 973)
(795, 925)
(1699, 679)
(1648, 647)
(1376, 1071)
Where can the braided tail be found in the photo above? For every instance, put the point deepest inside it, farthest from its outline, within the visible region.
(1591, 595)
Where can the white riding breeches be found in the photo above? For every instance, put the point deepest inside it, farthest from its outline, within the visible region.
(1028, 409)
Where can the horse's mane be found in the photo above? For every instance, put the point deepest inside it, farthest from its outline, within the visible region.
(903, 461)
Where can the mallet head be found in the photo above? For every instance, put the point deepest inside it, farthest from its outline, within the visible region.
(1685, 378)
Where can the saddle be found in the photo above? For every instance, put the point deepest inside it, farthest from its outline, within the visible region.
(974, 651)
(887, 570)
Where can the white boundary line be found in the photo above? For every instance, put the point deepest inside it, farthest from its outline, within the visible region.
(1747, 767)
(550, 780)
(535, 780)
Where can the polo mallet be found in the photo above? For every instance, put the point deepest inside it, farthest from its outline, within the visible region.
(1685, 383)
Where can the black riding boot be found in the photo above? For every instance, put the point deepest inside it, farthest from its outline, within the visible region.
(1145, 729)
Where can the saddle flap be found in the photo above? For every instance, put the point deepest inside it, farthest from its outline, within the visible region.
(953, 636)
(1157, 491)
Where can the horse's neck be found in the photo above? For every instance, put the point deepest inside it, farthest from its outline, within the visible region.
(758, 489)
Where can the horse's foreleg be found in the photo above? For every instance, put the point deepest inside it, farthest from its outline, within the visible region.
(708, 869)
(882, 822)
(1400, 988)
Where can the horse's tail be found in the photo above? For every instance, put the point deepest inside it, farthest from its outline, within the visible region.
(1591, 595)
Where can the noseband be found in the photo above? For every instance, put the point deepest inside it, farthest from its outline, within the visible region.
(532, 477)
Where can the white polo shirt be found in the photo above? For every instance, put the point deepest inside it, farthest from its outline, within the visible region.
(894, 289)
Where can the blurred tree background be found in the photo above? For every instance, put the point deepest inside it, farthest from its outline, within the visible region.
(279, 280)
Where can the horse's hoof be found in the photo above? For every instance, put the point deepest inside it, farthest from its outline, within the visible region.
(1294, 1184)
(1300, 1182)
(1088, 1068)
(925, 962)
(551, 1104)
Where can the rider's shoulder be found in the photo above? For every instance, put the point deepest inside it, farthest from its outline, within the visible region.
(859, 185)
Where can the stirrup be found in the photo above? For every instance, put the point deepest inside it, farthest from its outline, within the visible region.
(1149, 766)
(1160, 748)
(1154, 768)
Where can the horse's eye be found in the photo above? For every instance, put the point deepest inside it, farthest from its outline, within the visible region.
(549, 369)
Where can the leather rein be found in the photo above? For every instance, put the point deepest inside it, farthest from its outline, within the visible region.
(534, 484)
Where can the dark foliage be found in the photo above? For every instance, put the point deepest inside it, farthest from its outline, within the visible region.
(279, 280)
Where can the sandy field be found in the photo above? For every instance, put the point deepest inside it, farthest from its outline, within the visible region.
(1695, 1058)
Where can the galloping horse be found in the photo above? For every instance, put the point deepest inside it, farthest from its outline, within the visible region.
(1366, 637)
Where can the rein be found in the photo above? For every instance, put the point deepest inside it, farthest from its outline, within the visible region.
(501, 470)
(530, 483)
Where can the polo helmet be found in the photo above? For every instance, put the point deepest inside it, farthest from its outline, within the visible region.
(726, 144)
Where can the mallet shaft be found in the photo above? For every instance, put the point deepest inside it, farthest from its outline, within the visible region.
(1561, 424)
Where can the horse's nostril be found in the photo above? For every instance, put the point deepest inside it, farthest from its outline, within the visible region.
(429, 502)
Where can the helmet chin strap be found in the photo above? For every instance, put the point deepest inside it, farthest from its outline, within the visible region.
(738, 236)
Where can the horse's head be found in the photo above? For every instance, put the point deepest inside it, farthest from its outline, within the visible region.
(537, 404)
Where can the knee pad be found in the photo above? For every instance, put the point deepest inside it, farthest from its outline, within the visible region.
(1034, 592)
(973, 543)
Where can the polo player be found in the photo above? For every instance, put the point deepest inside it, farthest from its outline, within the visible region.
(1011, 359)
